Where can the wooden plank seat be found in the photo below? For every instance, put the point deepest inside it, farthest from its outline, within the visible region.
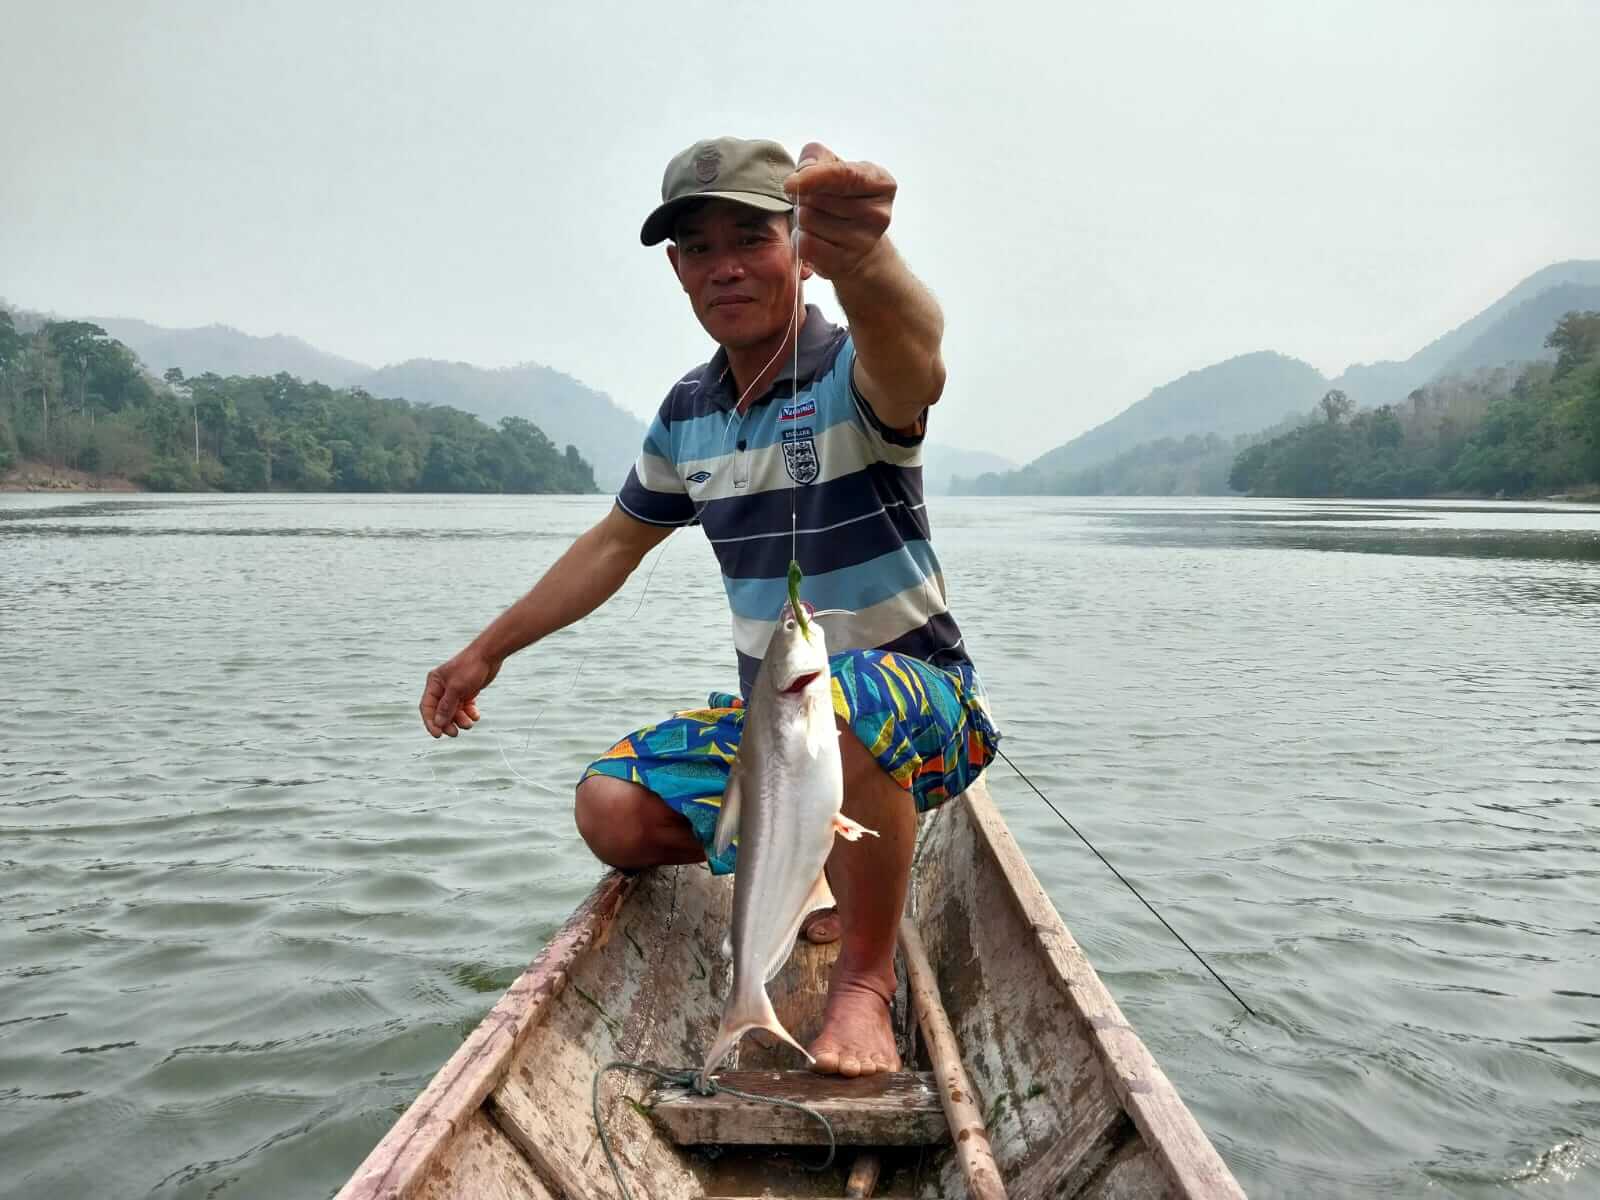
(901, 1108)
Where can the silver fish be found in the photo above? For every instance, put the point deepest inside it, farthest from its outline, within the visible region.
(782, 801)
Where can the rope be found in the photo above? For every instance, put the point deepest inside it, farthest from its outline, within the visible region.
(687, 1078)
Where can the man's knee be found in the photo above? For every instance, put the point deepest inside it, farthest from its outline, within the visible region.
(607, 814)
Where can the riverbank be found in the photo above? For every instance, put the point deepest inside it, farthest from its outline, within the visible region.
(41, 477)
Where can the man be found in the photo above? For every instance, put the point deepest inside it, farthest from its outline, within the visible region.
(830, 468)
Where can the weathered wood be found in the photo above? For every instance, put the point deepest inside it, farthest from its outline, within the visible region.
(1068, 1164)
(1186, 1156)
(1071, 1103)
(961, 1105)
(799, 992)
(396, 1164)
(898, 1109)
(1133, 1174)
(481, 1162)
(627, 1001)
(863, 1180)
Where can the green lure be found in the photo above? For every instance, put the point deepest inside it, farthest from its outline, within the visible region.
(794, 598)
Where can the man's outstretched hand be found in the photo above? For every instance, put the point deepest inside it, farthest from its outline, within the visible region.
(843, 210)
(450, 697)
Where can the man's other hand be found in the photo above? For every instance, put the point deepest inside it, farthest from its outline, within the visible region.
(450, 697)
(843, 210)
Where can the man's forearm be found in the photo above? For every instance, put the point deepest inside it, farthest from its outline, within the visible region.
(582, 579)
(898, 328)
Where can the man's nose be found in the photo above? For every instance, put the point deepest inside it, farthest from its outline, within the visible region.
(728, 268)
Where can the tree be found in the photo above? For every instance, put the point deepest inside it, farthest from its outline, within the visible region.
(1335, 406)
(1575, 339)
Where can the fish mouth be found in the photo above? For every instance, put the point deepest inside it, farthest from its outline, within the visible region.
(801, 683)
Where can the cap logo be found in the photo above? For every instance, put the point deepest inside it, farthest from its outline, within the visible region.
(707, 162)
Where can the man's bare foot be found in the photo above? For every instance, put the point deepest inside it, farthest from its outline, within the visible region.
(857, 1037)
(821, 927)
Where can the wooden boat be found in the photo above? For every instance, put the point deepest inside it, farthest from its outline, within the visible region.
(1051, 1092)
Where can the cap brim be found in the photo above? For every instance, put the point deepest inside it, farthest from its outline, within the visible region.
(658, 225)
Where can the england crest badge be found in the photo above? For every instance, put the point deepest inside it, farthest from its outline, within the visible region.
(800, 454)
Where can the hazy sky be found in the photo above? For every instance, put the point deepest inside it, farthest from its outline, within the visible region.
(1104, 196)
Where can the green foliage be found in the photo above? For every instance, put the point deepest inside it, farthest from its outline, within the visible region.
(1492, 434)
(71, 396)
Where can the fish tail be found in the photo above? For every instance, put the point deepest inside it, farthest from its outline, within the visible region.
(753, 1010)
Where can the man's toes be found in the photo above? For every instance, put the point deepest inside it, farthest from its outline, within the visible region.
(825, 1060)
(850, 1066)
(821, 927)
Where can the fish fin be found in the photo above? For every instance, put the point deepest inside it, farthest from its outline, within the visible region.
(849, 830)
(752, 1010)
(728, 815)
(820, 896)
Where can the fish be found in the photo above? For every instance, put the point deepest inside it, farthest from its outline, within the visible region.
(783, 801)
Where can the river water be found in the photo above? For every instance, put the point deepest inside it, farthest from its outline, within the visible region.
(247, 907)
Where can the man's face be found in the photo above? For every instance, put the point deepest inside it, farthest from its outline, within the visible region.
(737, 266)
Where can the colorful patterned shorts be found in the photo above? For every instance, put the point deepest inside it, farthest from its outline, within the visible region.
(928, 727)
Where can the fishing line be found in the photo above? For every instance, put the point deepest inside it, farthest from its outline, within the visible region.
(1198, 957)
(583, 662)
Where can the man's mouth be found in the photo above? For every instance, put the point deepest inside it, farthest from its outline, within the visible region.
(722, 301)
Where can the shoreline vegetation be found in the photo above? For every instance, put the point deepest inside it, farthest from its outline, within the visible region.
(78, 412)
(1525, 432)
(1529, 430)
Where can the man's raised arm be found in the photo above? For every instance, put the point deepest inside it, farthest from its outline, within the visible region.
(581, 580)
(897, 326)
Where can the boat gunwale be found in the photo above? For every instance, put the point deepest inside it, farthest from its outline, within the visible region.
(1169, 1130)
(402, 1158)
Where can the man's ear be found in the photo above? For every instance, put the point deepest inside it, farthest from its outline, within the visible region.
(672, 257)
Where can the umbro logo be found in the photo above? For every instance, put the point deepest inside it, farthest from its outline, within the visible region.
(700, 477)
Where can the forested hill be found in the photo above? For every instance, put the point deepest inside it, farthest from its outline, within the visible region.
(72, 396)
(1246, 395)
(223, 350)
(1533, 431)
(1511, 330)
(1178, 439)
(568, 411)
(557, 403)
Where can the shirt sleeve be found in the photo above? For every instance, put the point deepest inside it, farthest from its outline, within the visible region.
(654, 492)
(893, 445)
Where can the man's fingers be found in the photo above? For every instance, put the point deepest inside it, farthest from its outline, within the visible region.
(815, 152)
(838, 231)
(446, 711)
(837, 178)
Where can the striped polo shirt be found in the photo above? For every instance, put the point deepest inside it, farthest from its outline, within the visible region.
(819, 457)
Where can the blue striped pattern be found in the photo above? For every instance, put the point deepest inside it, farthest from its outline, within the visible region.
(811, 473)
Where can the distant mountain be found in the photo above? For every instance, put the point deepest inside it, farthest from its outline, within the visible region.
(1250, 393)
(228, 351)
(569, 412)
(1240, 395)
(1512, 329)
(941, 464)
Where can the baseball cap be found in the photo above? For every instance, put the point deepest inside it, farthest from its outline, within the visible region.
(746, 172)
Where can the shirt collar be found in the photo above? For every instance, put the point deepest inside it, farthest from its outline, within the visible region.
(816, 336)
